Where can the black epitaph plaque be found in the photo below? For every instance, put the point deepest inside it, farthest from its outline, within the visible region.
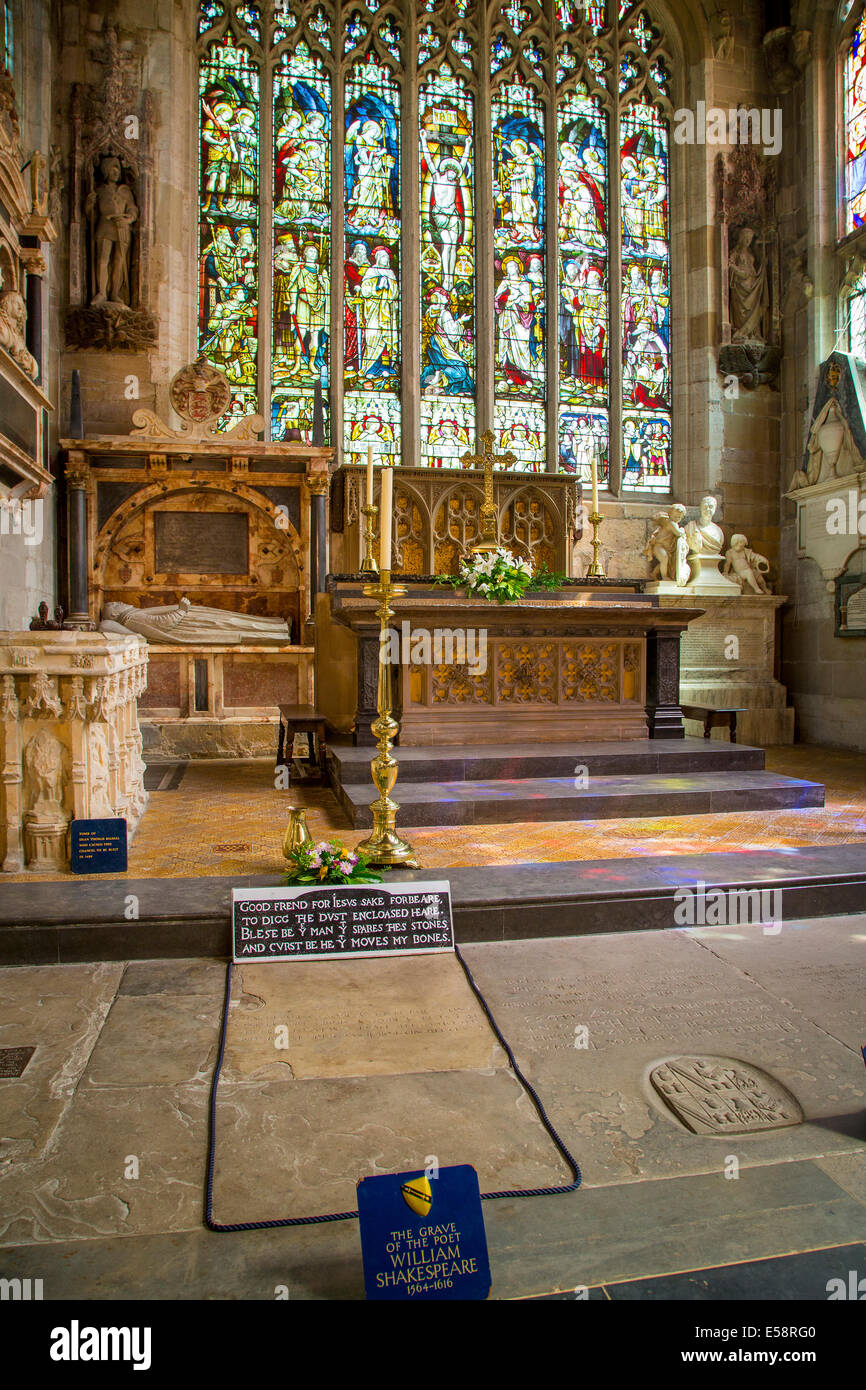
(98, 846)
(333, 922)
(13, 1060)
(201, 542)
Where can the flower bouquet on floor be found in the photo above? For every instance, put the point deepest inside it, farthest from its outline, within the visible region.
(498, 575)
(328, 862)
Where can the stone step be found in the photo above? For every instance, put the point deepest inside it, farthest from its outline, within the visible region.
(499, 801)
(64, 922)
(483, 762)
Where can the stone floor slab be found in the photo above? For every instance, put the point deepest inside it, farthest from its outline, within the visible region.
(59, 1010)
(299, 1148)
(355, 1018)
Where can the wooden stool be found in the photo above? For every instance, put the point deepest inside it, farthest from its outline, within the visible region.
(724, 716)
(301, 719)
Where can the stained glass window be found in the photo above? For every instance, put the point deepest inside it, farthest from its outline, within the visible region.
(856, 317)
(583, 285)
(301, 241)
(447, 216)
(646, 374)
(372, 356)
(8, 36)
(229, 210)
(517, 123)
(496, 308)
(855, 129)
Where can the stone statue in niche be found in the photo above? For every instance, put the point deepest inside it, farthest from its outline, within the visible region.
(190, 624)
(747, 566)
(749, 295)
(750, 308)
(668, 545)
(724, 37)
(111, 211)
(13, 323)
(45, 761)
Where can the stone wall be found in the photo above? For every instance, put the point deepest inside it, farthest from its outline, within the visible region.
(825, 674)
(28, 564)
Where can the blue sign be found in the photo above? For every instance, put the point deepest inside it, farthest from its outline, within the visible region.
(98, 846)
(422, 1235)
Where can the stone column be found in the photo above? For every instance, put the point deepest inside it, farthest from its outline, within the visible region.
(317, 485)
(663, 684)
(34, 263)
(76, 483)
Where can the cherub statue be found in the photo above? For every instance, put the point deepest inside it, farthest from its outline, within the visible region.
(747, 565)
(668, 545)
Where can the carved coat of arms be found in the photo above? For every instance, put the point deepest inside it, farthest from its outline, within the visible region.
(719, 1095)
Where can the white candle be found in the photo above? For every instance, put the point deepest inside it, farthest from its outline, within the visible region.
(385, 507)
(594, 467)
(369, 475)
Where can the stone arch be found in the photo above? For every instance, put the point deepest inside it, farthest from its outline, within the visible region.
(125, 561)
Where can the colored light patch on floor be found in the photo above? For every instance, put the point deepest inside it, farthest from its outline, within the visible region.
(179, 833)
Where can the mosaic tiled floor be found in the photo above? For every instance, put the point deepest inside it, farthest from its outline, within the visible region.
(227, 818)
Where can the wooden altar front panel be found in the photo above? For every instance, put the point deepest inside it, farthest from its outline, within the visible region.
(550, 688)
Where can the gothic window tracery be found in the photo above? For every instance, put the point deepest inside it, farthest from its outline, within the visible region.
(446, 215)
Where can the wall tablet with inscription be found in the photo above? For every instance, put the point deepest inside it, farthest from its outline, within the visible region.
(191, 543)
(336, 921)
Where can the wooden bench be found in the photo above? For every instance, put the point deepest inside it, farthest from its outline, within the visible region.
(712, 716)
(302, 719)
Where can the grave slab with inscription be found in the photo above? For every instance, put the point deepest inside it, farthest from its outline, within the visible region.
(384, 1017)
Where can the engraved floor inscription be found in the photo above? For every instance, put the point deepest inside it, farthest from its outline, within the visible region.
(355, 1018)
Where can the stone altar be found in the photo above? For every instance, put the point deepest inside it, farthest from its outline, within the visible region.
(593, 661)
(69, 739)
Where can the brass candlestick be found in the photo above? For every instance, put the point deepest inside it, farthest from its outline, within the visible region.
(595, 567)
(384, 846)
(368, 564)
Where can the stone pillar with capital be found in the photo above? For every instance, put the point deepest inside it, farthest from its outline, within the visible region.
(77, 474)
(34, 264)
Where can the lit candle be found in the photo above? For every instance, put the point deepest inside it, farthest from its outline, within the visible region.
(385, 507)
(369, 475)
(594, 467)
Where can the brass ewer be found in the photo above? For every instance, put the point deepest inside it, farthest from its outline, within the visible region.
(297, 831)
(384, 847)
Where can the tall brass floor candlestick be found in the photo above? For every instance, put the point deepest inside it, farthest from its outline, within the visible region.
(384, 846)
(368, 564)
(595, 568)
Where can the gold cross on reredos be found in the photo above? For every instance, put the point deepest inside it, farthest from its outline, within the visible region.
(488, 461)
